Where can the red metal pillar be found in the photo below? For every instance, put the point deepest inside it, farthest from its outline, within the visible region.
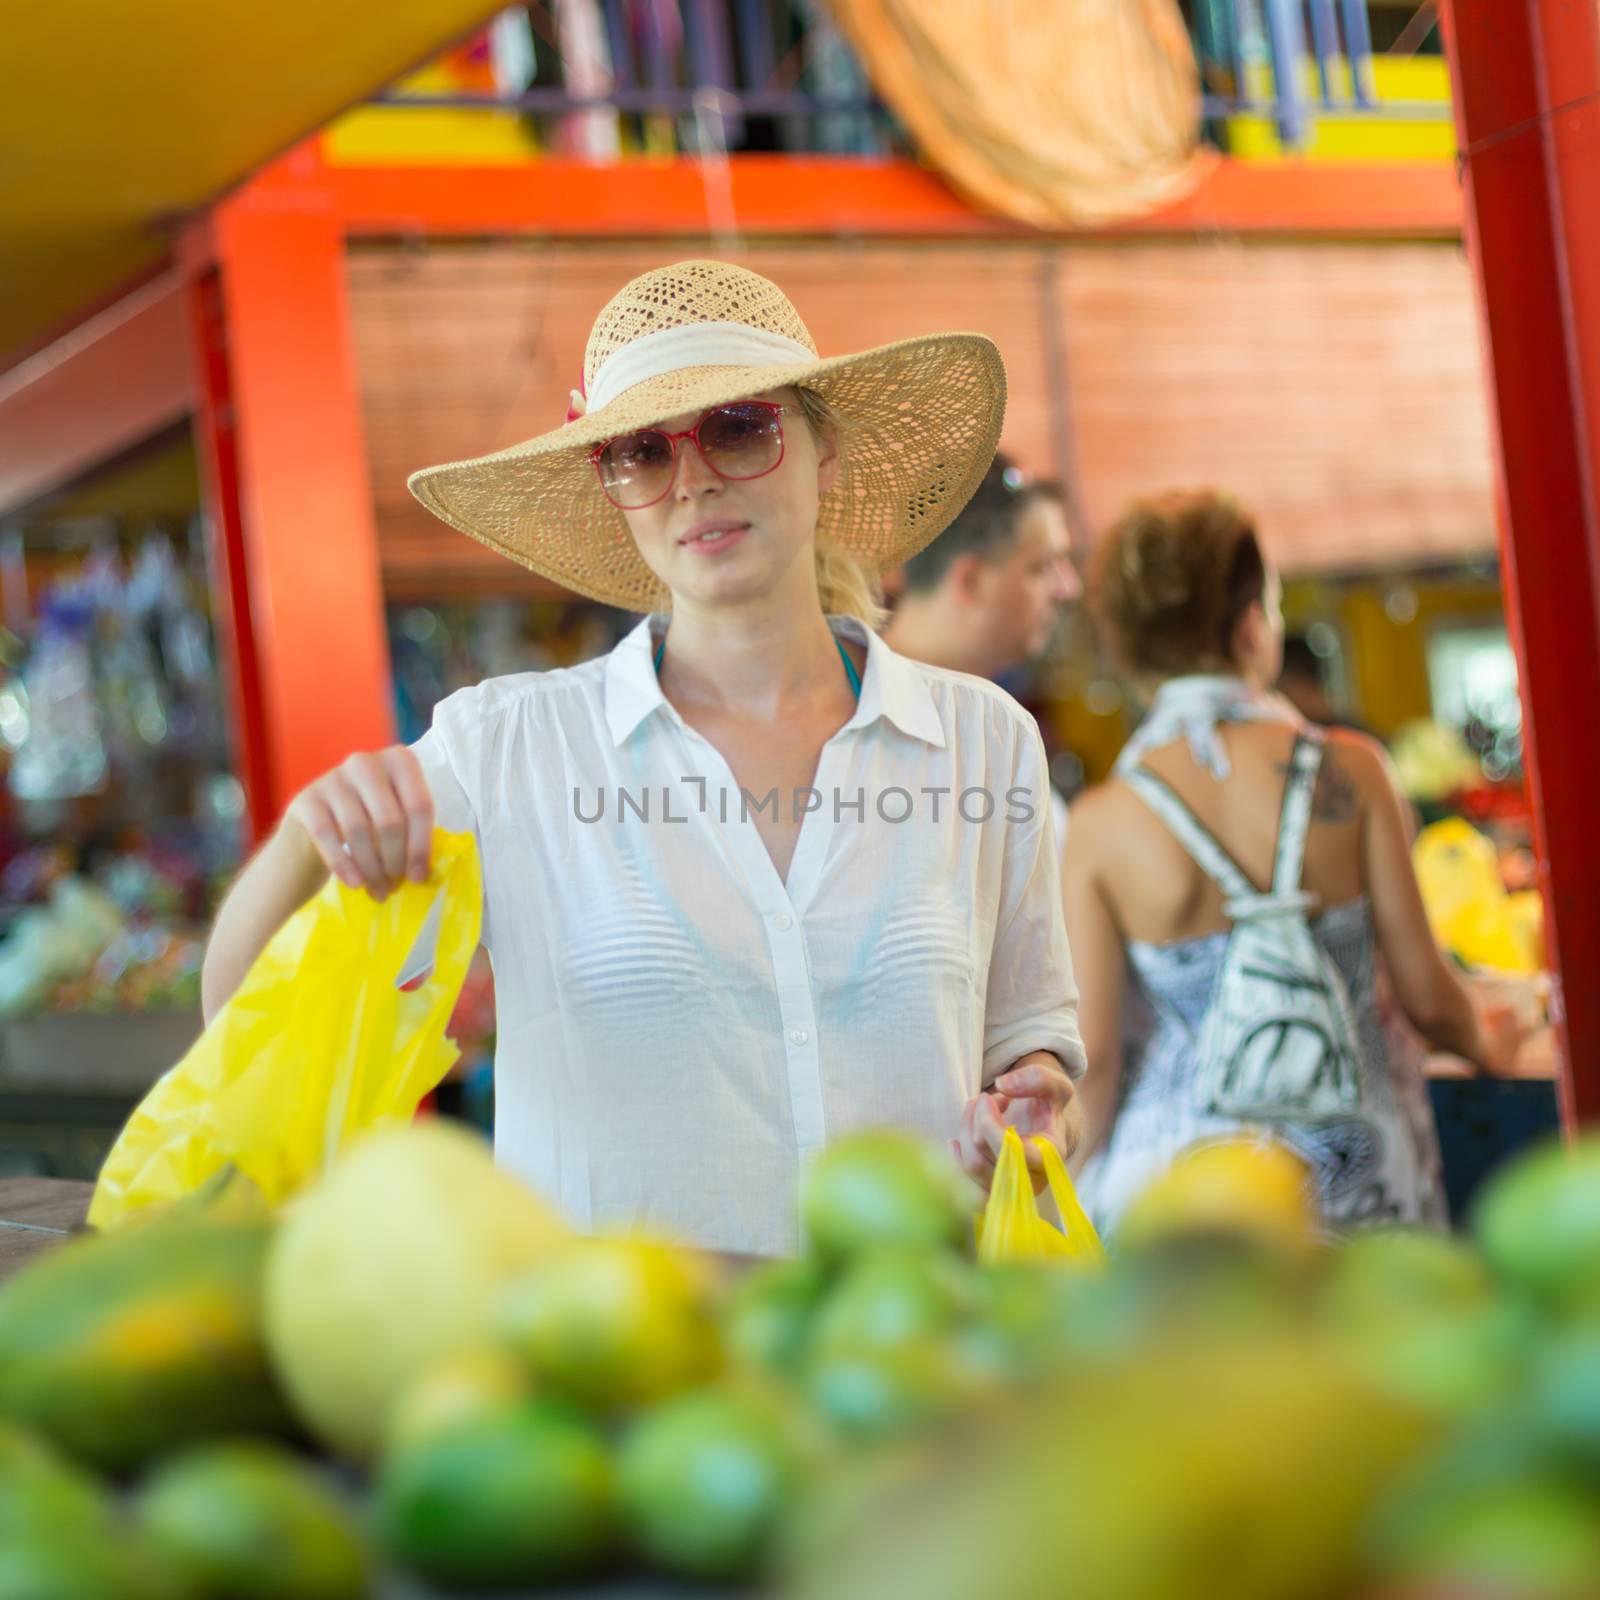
(281, 435)
(1526, 77)
(217, 447)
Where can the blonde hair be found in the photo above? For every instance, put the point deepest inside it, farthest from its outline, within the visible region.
(844, 585)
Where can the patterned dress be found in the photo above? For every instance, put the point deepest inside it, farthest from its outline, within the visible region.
(1381, 1165)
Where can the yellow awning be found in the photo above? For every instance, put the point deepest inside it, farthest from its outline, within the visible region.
(117, 118)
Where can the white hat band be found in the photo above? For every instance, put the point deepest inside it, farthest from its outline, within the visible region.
(696, 344)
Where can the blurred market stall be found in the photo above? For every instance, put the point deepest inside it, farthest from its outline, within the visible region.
(1265, 289)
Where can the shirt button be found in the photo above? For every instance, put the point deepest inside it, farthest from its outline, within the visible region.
(785, 921)
(799, 1035)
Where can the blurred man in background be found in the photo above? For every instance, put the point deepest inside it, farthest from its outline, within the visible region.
(1304, 684)
(986, 595)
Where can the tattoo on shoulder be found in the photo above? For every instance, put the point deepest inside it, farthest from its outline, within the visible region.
(1334, 799)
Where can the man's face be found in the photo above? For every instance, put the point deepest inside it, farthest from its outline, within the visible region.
(1024, 590)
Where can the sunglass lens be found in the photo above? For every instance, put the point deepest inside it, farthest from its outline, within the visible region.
(636, 468)
(741, 441)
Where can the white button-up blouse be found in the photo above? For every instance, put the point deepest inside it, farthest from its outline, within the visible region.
(679, 1029)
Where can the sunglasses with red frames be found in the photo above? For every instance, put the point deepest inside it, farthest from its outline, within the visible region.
(738, 442)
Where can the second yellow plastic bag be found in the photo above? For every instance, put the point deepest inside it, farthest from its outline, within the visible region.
(1011, 1228)
(321, 1042)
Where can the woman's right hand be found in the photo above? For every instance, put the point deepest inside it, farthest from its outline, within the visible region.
(1502, 1030)
(370, 820)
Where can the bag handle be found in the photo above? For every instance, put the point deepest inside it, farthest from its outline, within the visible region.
(1010, 1226)
(1078, 1230)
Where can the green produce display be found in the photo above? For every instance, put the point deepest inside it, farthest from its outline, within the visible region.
(881, 1188)
(122, 1347)
(1234, 1405)
(708, 1478)
(616, 1322)
(247, 1520)
(389, 1265)
(515, 1499)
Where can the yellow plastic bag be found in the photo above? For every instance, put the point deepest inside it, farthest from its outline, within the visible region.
(1011, 1228)
(319, 1044)
(1469, 910)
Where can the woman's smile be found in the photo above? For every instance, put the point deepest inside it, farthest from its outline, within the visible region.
(711, 535)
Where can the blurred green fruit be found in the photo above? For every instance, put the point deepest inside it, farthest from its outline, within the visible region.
(885, 1188)
(1564, 1393)
(611, 1323)
(870, 1395)
(121, 1347)
(889, 1298)
(39, 1567)
(1529, 1540)
(1382, 1274)
(251, 1521)
(44, 1495)
(767, 1320)
(1022, 1310)
(522, 1498)
(1539, 1223)
(706, 1478)
(1450, 1364)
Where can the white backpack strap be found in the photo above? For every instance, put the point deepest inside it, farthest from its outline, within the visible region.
(1295, 822)
(1203, 849)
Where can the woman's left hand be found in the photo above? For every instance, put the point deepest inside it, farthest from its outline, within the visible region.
(1036, 1098)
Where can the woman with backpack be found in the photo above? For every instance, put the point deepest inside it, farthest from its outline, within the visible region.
(1238, 880)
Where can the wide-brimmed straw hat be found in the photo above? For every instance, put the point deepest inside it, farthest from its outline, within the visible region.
(921, 421)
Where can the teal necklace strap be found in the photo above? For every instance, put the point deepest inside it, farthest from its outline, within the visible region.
(849, 668)
(844, 656)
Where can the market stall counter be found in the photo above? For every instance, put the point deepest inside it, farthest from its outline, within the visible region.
(37, 1213)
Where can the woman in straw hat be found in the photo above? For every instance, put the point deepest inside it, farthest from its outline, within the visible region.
(752, 880)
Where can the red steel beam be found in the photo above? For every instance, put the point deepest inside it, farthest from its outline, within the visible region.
(95, 391)
(1526, 76)
(284, 430)
(217, 445)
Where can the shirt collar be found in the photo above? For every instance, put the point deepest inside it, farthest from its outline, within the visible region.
(633, 690)
(891, 686)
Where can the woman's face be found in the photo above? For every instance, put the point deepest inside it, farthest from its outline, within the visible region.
(762, 530)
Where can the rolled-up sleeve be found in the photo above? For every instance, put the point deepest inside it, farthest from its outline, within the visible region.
(1032, 1000)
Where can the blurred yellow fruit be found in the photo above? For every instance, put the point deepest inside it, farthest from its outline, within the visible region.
(466, 1385)
(1458, 871)
(1434, 762)
(616, 1322)
(1244, 1472)
(389, 1265)
(1253, 1188)
(1456, 866)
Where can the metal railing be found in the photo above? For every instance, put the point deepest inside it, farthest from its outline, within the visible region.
(717, 79)
(1245, 47)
